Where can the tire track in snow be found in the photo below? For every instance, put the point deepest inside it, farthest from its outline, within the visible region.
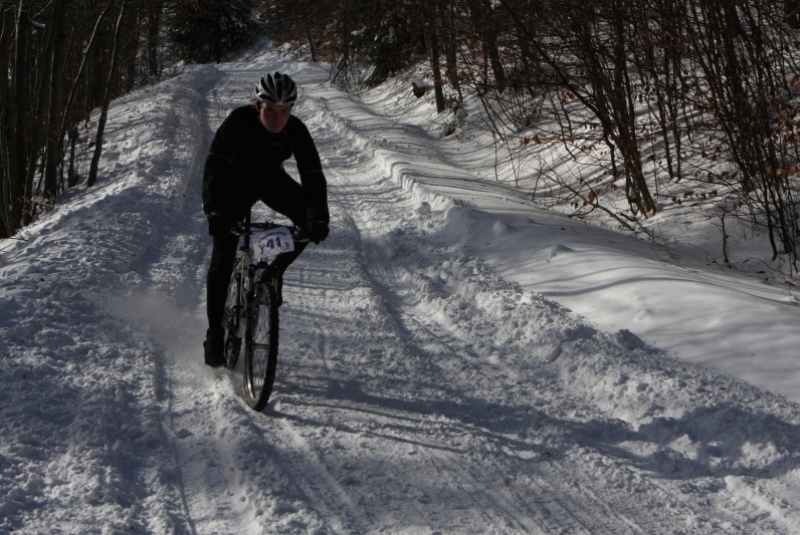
(383, 279)
(386, 280)
(166, 285)
(350, 417)
(406, 398)
(398, 286)
(240, 472)
(215, 438)
(556, 510)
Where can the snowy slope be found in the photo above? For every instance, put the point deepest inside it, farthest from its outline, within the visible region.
(432, 378)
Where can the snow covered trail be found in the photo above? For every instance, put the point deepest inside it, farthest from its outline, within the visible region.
(418, 390)
(570, 397)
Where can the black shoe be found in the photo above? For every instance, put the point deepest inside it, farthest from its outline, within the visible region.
(214, 348)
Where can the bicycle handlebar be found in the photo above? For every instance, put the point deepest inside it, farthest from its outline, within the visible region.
(245, 229)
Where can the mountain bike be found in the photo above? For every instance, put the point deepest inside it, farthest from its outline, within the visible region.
(251, 306)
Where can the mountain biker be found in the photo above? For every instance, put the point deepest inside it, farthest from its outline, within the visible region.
(245, 165)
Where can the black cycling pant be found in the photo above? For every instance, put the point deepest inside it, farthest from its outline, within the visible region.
(219, 273)
(282, 194)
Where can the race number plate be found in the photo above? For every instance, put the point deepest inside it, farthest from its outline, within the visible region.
(271, 243)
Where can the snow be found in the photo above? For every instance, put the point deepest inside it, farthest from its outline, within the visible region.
(453, 358)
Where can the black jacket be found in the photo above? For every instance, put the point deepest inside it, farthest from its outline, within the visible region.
(244, 154)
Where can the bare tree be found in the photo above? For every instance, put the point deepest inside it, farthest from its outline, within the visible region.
(745, 57)
(203, 32)
(71, 97)
(54, 55)
(154, 10)
(588, 48)
(14, 41)
(101, 123)
(792, 13)
(56, 74)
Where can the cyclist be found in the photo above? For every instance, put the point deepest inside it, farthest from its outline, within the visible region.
(245, 165)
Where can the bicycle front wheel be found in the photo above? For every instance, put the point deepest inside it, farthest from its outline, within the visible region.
(231, 318)
(261, 350)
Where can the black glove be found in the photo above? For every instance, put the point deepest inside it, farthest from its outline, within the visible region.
(317, 231)
(218, 223)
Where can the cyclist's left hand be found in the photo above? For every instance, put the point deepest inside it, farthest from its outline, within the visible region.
(317, 231)
(218, 223)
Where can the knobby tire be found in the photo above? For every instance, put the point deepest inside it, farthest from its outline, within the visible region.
(261, 348)
(231, 319)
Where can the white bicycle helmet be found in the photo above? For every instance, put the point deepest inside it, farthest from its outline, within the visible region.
(276, 88)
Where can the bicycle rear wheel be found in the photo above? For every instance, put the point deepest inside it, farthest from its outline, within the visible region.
(261, 349)
(231, 319)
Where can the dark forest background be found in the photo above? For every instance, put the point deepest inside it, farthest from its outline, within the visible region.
(659, 78)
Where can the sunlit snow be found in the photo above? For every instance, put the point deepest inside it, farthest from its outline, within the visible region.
(453, 359)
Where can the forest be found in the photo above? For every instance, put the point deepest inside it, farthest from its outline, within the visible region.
(661, 82)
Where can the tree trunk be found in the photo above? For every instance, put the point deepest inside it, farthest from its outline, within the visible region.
(72, 175)
(490, 34)
(101, 124)
(450, 45)
(432, 42)
(52, 126)
(5, 109)
(792, 8)
(311, 44)
(625, 117)
(35, 124)
(130, 48)
(153, 28)
(12, 141)
(77, 79)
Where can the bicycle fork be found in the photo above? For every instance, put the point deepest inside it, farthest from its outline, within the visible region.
(271, 274)
(245, 297)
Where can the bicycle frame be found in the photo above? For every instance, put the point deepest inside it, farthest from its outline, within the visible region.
(249, 281)
(247, 274)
